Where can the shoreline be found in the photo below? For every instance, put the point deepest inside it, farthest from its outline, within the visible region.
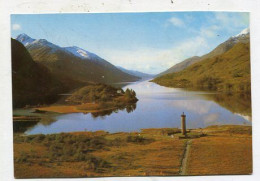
(165, 130)
(85, 108)
(64, 109)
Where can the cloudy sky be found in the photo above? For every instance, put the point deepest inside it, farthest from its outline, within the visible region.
(147, 42)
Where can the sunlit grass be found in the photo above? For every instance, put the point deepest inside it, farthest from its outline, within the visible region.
(222, 150)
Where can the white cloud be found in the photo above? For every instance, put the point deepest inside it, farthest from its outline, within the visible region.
(151, 60)
(231, 21)
(16, 27)
(211, 31)
(196, 106)
(176, 22)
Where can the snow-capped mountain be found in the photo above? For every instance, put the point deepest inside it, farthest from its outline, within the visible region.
(27, 41)
(242, 37)
(24, 39)
(81, 53)
(244, 32)
(73, 65)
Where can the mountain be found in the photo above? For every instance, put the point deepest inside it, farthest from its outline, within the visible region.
(243, 37)
(228, 71)
(24, 39)
(180, 66)
(136, 73)
(83, 54)
(32, 83)
(243, 33)
(73, 66)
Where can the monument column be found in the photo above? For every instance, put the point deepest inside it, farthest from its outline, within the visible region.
(183, 123)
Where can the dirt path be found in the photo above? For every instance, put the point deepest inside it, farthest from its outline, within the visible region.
(183, 168)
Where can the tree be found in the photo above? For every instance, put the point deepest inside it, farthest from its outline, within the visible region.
(133, 93)
(128, 93)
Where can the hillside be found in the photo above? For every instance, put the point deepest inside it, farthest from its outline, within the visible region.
(72, 65)
(229, 72)
(180, 66)
(32, 83)
(242, 37)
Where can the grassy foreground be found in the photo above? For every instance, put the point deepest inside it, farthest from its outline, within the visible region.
(221, 150)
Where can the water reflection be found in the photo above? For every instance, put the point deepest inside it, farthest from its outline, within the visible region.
(55, 124)
(128, 108)
(158, 107)
(22, 126)
(237, 103)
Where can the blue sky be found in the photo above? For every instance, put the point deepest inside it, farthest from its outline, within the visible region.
(147, 42)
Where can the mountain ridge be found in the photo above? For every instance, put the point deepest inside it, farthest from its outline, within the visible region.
(73, 70)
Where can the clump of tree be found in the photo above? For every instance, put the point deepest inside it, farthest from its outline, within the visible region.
(95, 93)
(103, 94)
(130, 95)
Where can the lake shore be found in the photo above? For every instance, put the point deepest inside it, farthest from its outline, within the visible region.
(158, 152)
(90, 107)
(84, 108)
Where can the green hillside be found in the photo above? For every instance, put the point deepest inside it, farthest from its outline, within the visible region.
(32, 82)
(229, 72)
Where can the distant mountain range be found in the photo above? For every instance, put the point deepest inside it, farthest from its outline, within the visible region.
(73, 66)
(226, 68)
(220, 49)
(136, 73)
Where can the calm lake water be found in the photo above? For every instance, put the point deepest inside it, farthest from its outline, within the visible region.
(158, 107)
